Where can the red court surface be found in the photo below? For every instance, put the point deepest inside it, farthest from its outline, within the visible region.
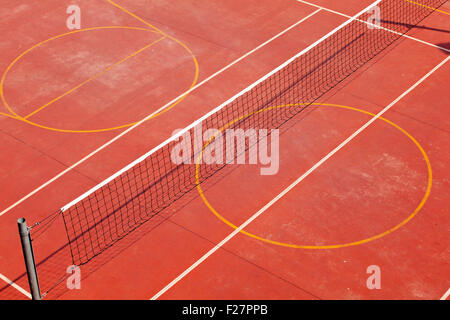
(381, 199)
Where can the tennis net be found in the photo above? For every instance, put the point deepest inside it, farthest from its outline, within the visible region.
(151, 184)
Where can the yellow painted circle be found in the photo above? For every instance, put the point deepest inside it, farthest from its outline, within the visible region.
(16, 116)
(333, 246)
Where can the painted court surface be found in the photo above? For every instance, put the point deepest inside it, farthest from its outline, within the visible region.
(344, 198)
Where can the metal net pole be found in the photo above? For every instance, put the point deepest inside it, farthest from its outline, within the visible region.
(28, 255)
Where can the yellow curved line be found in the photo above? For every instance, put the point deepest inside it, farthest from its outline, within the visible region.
(2, 81)
(289, 245)
(24, 119)
(93, 77)
(169, 37)
(8, 115)
(428, 7)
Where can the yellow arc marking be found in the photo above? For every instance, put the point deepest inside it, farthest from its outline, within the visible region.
(94, 77)
(159, 31)
(16, 116)
(2, 81)
(137, 18)
(333, 246)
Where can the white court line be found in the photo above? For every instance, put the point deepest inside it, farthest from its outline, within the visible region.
(368, 23)
(206, 116)
(15, 286)
(151, 115)
(289, 188)
(445, 296)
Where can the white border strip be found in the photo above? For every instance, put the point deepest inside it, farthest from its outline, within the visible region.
(446, 295)
(15, 286)
(192, 125)
(289, 188)
(371, 24)
(157, 111)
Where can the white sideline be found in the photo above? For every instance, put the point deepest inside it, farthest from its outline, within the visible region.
(151, 115)
(285, 191)
(15, 286)
(368, 23)
(445, 296)
(198, 121)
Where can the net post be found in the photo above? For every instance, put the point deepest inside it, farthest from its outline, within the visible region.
(28, 255)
